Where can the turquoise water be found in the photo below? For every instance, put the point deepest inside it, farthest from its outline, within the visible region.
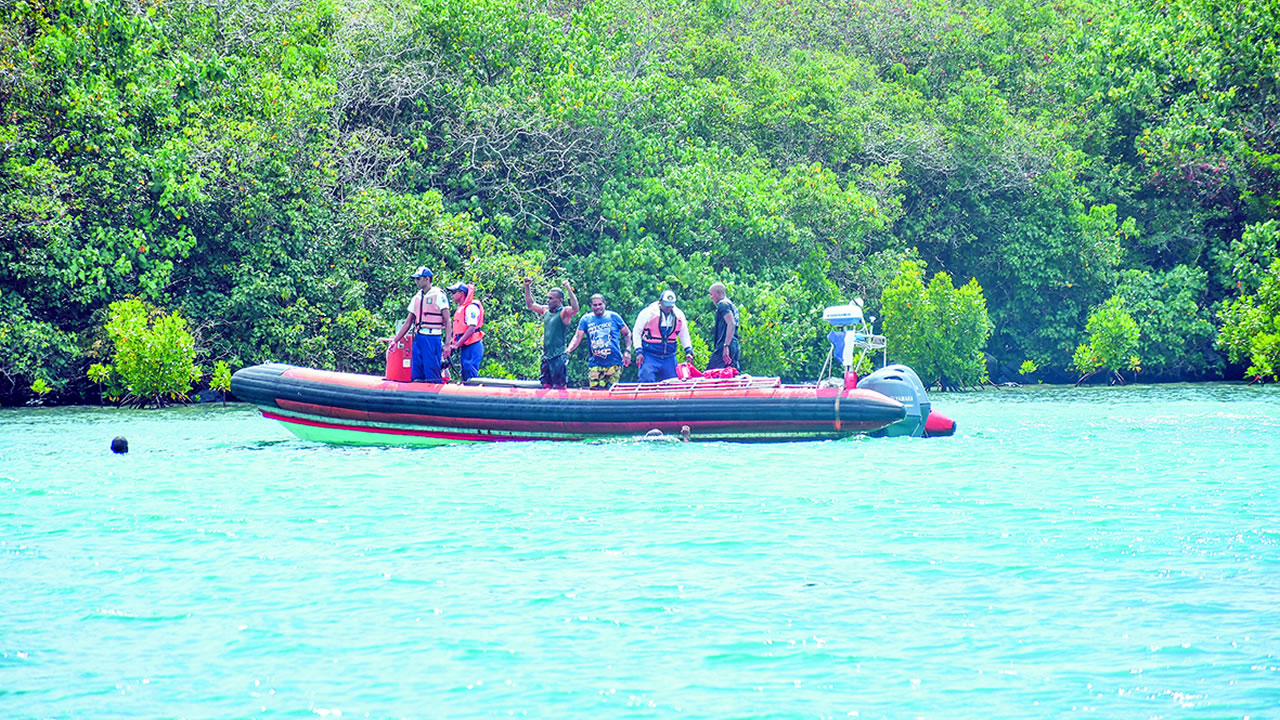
(1096, 552)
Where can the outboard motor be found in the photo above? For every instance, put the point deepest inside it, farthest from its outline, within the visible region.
(902, 384)
(851, 340)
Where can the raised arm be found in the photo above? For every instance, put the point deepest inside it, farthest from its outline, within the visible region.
(573, 304)
(528, 298)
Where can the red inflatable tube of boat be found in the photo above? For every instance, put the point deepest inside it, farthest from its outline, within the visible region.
(939, 425)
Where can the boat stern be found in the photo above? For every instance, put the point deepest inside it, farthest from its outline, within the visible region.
(862, 410)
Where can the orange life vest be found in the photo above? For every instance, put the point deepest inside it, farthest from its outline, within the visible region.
(429, 316)
(652, 332)
(460, 323)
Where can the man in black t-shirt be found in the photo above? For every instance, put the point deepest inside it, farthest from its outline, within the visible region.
(724, 350)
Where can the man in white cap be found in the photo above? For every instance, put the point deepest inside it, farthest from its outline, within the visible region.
(428, 313)
(657, 329)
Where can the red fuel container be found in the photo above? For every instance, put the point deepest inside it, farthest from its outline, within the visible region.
(398, 360)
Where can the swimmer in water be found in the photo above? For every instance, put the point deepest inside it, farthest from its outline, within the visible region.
(656, 434)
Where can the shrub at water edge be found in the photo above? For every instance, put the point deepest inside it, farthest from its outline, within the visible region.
(220, 380)
(1113, 342)
(939, 330)
(154, 358)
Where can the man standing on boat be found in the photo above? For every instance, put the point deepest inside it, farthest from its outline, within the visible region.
(725, 347)
(607, 333)
(428, 311)
(554, 373)
(658, 327)
(467, 335)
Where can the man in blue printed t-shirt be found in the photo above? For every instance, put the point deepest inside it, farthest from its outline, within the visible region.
(605, 330)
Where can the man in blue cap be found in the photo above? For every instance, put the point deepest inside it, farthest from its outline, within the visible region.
(428, 314)
(467, 334)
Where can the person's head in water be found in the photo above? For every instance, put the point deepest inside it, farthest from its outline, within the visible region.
(684, 433)
(555, 299)
(597, 304)
(654, 433)
(119, 446)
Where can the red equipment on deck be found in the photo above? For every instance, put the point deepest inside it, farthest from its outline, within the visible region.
(398, 360)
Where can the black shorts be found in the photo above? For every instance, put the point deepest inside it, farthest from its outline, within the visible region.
(555, 372)
(717, 358)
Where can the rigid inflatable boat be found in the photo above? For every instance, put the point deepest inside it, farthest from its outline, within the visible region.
(347, 408)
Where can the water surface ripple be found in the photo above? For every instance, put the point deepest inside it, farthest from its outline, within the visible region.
(1097, 552)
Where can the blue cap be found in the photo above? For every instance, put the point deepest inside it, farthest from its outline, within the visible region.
(421, 272)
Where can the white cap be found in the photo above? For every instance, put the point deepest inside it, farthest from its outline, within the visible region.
(668, 298)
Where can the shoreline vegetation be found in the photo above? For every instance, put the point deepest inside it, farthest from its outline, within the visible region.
(1022, 192)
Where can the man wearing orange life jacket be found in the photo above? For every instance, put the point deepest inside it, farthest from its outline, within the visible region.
(467, 335)
(657, 329)
(428, 311)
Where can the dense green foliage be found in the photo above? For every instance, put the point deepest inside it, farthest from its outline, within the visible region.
(272, 170)
(1113, 341)
(1176, 332)
(939, 329)
(153, 356)
(1251, 327)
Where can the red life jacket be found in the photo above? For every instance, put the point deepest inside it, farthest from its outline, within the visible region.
(460, 323)
(652, 332)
